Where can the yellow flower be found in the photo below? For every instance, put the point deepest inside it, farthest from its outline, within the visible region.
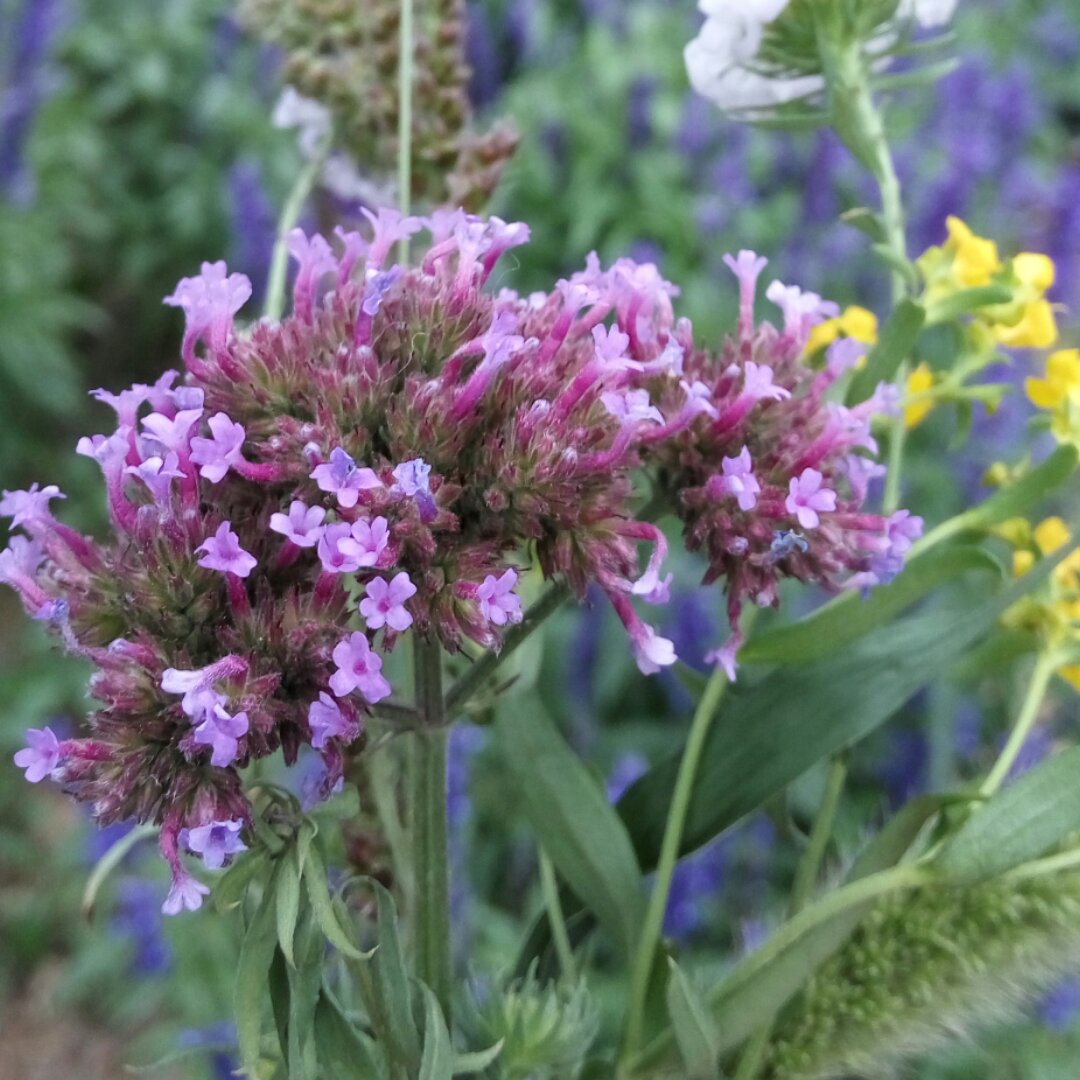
(1051, 534)
(918, 382)
(1071, 674)
(975, 259)
(1035, 330)
(856, 322)
(1034, 270)
(1062, 380)
(1022, 562)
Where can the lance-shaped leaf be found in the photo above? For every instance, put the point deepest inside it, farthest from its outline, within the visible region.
(573, 820)
(695, 1032)
(256, 956)
(898, 337)
(437, 1062)
(344, 1052)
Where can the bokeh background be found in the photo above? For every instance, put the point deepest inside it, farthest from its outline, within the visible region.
(136, 141)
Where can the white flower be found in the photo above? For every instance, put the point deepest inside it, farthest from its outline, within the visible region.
(928, 12)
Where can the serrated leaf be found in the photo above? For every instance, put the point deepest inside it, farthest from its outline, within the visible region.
(252, 970)
(288, 903)
(695, 1032)
(896, 343)
(573, 821)
(437, 1061)
(1022, 822)
(849, 617)
(345, 1053)
(322, 905)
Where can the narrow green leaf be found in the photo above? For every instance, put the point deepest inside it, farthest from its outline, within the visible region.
(344, 1053)
(386, 993)
(477, 1061)
(327, 918)
(898, 337)
(437, 1062)
(967, 301)
(253, 967)
(695, 1032)
(233, 884)
(288, 902)
(1022, 822)
(866, 221)
(304, 983)
(280, 991)
(850, 617)
(109, 862)
(573, 820)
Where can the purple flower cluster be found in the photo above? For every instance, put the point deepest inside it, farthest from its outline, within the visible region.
(401, 437)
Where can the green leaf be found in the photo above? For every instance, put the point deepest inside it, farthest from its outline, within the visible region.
(288, 902)
(233, 884)
(1016, 500)
(323, 907)
(866, 221)
(256, 957)
(304, 983)
(850, 617)
(385, 987)
(109, 862)
(437, 1062)
(1022, 822)
(967, 301)
(476, 1061)
(898, 337)
(695, 1032)
(344, 1053)
(573, 820)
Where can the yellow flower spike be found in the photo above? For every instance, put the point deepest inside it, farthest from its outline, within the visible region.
(918, 382)
(1061, 383)
(1037, 328)
(1051, 534)
(1071, 674)
(1034, 270)
(856, 322)
(1022, 562)
(975, 259)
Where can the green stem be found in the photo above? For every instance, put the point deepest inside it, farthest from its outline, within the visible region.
(1045, 666)
(806, 875)
(431, 870)
(405, 104)
(669, 854)
(556, 918)
(274, 304)
(463, 690)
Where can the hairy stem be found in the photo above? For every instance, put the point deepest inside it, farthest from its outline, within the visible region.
(431, 868)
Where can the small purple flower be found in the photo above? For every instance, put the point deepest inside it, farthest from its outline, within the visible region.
(215, 842)
(41, 755)
(172, 432)
(631, 407)
(342, 478)
(326, 721)
(802, 310)
(758, 383)
(223, 552)
(611, 345)
(222, 733)
(389, 226)
(185, 893)
(209, 302)
(385, 602)
(698, 399)
(747, 268)
(158, 475)
(338, 552)
(358, 669)
(217, 455)
(20, 559)
(738, 480)
(369, 539)
(413, 481)
(303, 525)
(197, 686)
(499, 604)
(316, 259)
(651, 651)
(29, 507)
(378, 286)
(807, 498)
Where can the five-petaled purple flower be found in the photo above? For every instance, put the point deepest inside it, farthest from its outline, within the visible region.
(358, 669)
(341, 477)
(738, 480)
(385, 602)
(223, 552)
(302, 524)
(222, 733)
(326, 720)
(40, 756)
(215, 842)
(217, 455)
(185, 894)
(499, 604)
(807, 498)
(29, 507)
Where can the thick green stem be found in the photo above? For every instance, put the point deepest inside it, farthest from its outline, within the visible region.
(405, 104)
(1045, 666)
(431, 867)
(274, 304)
(806, 875)
(669, 854)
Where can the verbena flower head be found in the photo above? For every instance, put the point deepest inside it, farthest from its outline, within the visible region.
(380, 462)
